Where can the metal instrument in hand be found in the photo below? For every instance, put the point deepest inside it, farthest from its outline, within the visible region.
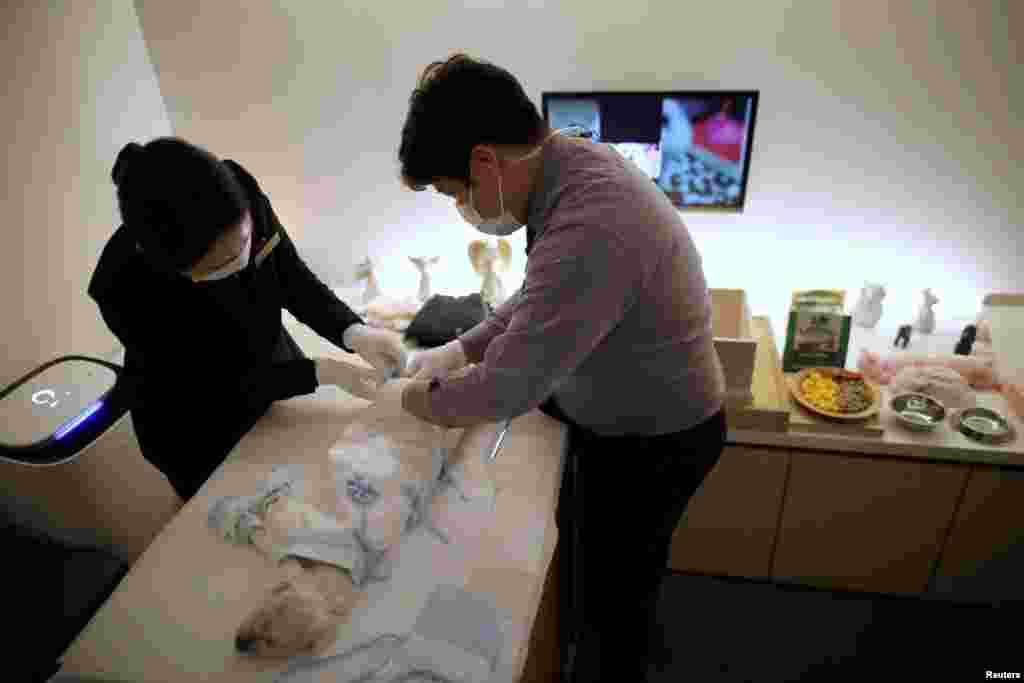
(498, 440)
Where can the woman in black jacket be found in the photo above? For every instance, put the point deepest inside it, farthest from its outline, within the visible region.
(192, 284)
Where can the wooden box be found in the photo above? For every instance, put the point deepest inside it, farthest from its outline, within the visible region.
(734, 341)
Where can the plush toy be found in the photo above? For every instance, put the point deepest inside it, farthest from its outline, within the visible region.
(903, 336)
(422, 264)
(966, 342)
(379, 310)
(487, 261)
(979, 373)
(925, 322)
(364, 271)
(869, 308)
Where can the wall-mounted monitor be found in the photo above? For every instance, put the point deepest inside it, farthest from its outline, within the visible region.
(695, 145)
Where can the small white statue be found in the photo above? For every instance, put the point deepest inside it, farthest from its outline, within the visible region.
(364, 271)
(487, 261)
(869, 308)
(422, 264)
(925, 322)
(381, 310)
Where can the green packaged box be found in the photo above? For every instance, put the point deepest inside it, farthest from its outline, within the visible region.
(818, 331)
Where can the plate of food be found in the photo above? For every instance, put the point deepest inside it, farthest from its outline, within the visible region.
(835, 393)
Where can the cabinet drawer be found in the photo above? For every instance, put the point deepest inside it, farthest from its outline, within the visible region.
(862, 524)
(730, 523)
(983, 559)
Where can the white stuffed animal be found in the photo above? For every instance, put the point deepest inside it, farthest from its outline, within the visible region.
(422, 264)
(925, 322)
(487, 260)
(869, 308)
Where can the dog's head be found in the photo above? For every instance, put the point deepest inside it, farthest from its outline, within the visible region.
(294, 619)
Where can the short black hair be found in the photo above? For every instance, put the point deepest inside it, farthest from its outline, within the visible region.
(176, 199)
(459, 103)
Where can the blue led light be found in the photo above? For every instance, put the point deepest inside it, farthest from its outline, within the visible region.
(78, 420)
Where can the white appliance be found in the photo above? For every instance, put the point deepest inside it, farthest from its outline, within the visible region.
(53, 414)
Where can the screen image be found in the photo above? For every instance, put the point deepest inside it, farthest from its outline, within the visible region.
(694, 145)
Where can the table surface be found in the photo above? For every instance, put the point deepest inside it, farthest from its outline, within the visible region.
(946, 443)
(174, 616)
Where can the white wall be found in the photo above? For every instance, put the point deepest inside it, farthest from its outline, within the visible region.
(887, 146)
(77, 85)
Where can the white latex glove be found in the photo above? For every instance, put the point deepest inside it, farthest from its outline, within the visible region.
(383, 349)
(356, 381)
(436, 363)
(387, 416)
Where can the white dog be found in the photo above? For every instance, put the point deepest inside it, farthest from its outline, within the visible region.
(388, 467)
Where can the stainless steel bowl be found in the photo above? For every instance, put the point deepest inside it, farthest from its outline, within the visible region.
(919, 412)
(987, 426)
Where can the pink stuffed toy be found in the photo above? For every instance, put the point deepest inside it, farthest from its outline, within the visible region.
(979, 372)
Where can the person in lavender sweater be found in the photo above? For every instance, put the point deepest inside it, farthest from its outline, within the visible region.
(610, 333)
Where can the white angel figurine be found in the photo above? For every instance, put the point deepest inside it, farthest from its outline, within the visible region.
(364, 271)
(925, 322)
(422, 264)
(487, 261)
(381, 310)
(869, 308)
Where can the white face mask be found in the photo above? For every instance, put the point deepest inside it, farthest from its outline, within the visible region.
(233, 266)
(505, 223)
(228, 269)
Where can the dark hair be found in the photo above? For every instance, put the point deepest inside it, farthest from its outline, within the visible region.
(176, 199)
(457, 104)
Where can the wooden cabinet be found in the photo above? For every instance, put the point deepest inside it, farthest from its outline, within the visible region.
(729, 526)
(857, 523)
(983, 559)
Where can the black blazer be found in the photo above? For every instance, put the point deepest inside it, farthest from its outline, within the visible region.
(204, 356)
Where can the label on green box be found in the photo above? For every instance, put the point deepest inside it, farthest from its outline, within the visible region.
(816, 339)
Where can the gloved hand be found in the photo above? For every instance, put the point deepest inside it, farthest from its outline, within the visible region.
(436, 363)
(382, 349)
(354, 380)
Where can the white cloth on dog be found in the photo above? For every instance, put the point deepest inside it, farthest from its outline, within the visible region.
(385, 486)
(234, 518)
(317, 536)
(387, 483)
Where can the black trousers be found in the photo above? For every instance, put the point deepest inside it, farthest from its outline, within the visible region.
(620, 501)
